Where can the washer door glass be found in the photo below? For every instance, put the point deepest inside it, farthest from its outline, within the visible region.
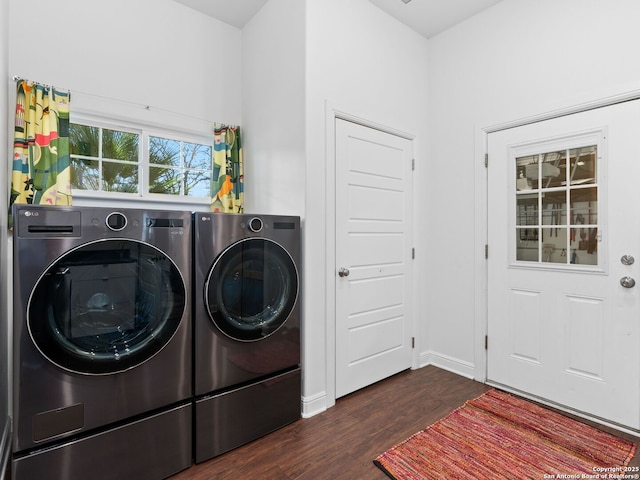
(106, 306)
(251, 289)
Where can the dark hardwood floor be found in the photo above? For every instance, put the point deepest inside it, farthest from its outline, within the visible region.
(341, 443)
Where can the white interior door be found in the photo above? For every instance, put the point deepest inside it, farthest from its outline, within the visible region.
(373, 255)
(564, 230)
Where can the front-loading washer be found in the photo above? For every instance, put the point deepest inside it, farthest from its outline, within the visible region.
(247, 378)
(102, 343)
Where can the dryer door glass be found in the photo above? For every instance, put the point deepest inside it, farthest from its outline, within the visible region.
(251, 289)
(106, 306)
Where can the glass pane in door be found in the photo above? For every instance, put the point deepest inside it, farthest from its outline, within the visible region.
(553, 168)
(554, 208)
(556, 196)
(583, 165)
(527, 210)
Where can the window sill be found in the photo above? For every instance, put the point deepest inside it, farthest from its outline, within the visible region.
(126, 200)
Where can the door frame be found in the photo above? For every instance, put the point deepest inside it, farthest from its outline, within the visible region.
(333, 113)
(481, 229)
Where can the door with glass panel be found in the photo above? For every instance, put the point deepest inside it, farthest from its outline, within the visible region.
(564, 256)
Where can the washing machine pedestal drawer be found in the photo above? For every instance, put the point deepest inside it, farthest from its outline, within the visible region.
(151, 448)
(233, 418)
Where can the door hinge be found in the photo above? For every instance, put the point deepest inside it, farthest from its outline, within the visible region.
(486, 250)
(413, 253)
(413, 164)
(486, 342)
(486, 160)
(413, 342)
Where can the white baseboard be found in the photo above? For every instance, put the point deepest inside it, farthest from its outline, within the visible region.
(314, 404)
(318, 403)
(451, 364)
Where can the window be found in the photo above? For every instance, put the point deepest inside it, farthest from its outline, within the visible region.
(557, 206)
(139, 161)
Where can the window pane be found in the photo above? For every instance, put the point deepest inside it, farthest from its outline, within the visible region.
(554, 245)
(553, 171)
(119, 145)
(163, 151)
(197, 156)
(85, 174)
(527, 172)
(583, 165)
(554, 208)
(527, 209)
(584, 206)
(119, 177)
(198, 184)
(584, 246)
(84, 140)
(527, 244)
(164, 180)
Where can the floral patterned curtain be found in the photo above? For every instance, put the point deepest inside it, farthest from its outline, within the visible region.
(227, 194)
(41, 172)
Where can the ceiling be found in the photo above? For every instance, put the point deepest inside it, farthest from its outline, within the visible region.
(430, 17)
(427, 17)
(233, 12)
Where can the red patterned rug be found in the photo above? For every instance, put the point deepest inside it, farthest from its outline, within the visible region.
(499, 436)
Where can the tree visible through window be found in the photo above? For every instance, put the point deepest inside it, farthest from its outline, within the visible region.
(110, 160)
(179, 168)
(104, 160)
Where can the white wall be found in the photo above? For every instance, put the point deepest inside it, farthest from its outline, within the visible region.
(517, 59)
(123, 57)
(273, 93)
(363, 62)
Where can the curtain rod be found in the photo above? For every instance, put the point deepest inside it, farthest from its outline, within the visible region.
(17, 78)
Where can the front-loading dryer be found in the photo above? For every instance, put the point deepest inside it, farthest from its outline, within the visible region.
(246, 328)
(102, 343)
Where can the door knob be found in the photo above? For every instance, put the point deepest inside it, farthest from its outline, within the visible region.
(343, 272)
(627, 282)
